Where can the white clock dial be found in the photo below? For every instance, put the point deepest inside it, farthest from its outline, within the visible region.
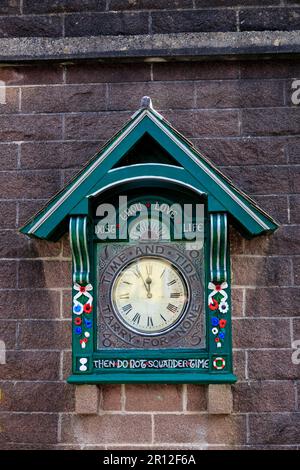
(150, 295)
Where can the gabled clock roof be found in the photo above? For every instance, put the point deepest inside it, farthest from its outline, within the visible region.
(184, 165)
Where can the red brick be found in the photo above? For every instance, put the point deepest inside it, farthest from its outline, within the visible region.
(31, 365)
(236, 242)
(38, 334)
(96, 126)
(192, 429)
(285, 241)
(272, 365)
(28, 427)
(13, 244)
(296, 329)
(37, 155)
(10, 103)
(18, 304)
(8, 274)
(261, 333)
(239, 364)
(65, 98)
(196, 397)
(95, 72)
(66, 364)
(149, 4)
(23, 26)
(32, 184)
(62, 6)
(275, 206)
(273, 68)
(8, 156)
(9, 7)
(264, 396)
(296, 270)
(243, 151)
(33, 274)
(30, 127)
(275, 428)
(111, 397)
(237, 302)
(67, 303)
(195, 70)
(261, 271)
(173, 95)
(37, 396)
(239, 94)
(260, 179)
(31, 74)
(293, 148)
(270, 121)
(8, 211)
(295, 179)
(176, 21)
(294, 209)
(153, 397)
(8, 333)
(107, 429)
(27, 209)
(204, 123)
(272, 302)
(108, 23)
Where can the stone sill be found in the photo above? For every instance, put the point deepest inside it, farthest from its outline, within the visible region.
(156, 47)
(219, 399)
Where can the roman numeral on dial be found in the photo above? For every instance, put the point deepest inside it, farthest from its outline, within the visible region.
(127, 308)
(124, 296)
(172, 308)
(149, 322)
(136, 318)
(171, 282)
(175, 295)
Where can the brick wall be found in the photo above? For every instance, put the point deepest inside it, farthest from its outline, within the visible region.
(54, 118)
(65, 18)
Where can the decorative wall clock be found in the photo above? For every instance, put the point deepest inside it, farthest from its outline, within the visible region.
(148, 224)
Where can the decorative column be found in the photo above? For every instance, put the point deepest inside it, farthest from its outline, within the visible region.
(82, 294)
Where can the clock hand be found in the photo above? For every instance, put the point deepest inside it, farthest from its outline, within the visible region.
(149, 295)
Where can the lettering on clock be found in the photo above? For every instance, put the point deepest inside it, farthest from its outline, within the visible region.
(172, 282)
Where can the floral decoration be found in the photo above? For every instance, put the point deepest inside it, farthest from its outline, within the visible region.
(82, 308)
(217, 302)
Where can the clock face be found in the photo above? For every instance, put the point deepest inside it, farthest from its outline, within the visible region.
(149, 295)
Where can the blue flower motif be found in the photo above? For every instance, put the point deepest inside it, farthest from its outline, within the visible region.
(214, 321)
(77, 309)
(88, 323)
(221, 335)
(78, 330)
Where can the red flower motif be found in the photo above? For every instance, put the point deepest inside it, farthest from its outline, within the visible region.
(218, 287)
(217, 340)
(84, 340)
(222, 323)
(87, 308)
(82, 289)
(77, 321)
(214, 305)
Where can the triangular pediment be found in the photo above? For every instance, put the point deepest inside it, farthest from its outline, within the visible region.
(148, 148)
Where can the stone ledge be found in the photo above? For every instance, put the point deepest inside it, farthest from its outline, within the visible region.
(219, 399)
(151, 47)
(86, 399)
